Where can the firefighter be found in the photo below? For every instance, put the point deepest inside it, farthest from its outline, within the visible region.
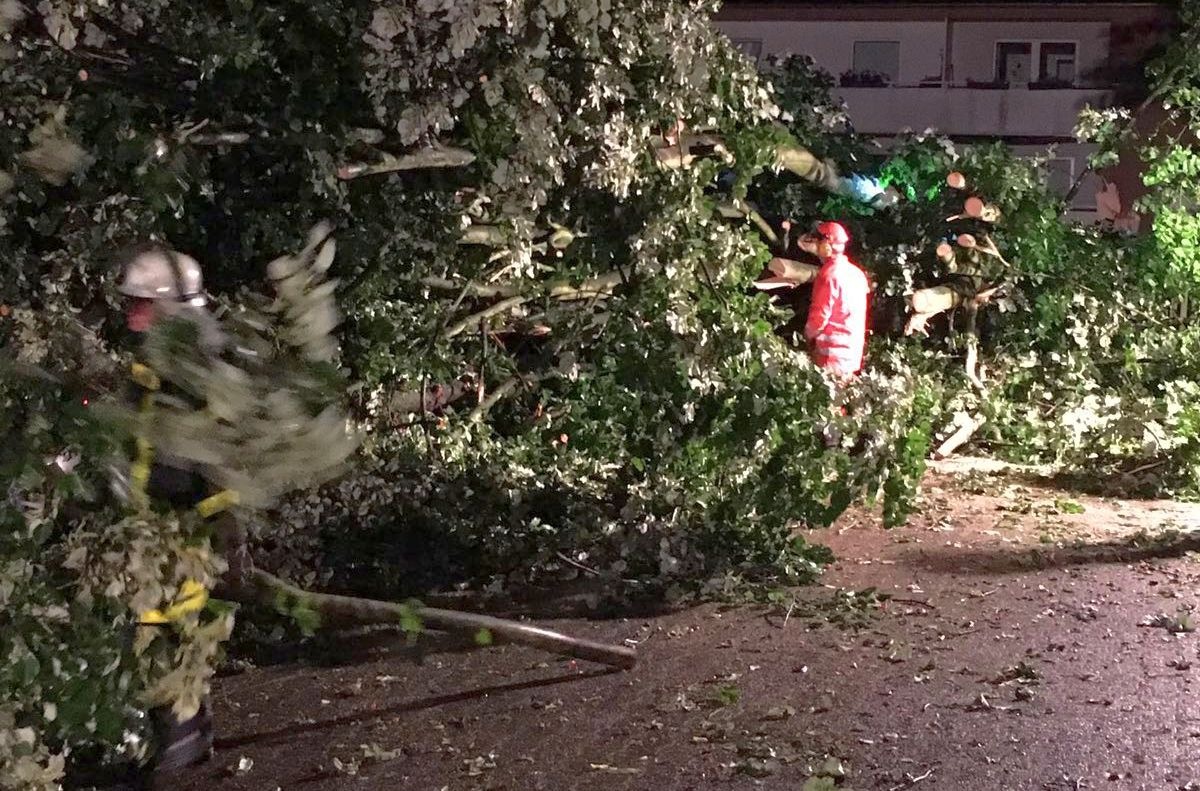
(836, 330)
(158, 283)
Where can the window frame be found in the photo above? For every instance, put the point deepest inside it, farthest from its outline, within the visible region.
(899, 60)
(1035, 58)
(1070, 173)
(1074, 59)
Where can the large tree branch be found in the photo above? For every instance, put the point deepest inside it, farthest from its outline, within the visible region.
(556, 289)
(494, 397)
(435, 157)
(344, 611)
(746, 209)
(491, 310)
(435, 397)
(797, 271)
(966, 429)
(805, 164)
(929, 302)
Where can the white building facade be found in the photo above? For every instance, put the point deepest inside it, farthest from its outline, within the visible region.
(1017, 72)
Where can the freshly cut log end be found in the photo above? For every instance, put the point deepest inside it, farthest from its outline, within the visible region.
(935, 299)
(797, 271)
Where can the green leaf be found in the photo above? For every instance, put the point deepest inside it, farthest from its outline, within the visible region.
(1069, 506)
(726, 695)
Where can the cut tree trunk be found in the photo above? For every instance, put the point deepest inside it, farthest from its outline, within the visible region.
(435, 397)
(937, 299)
(929, 302)
(798, 271)
(806, 165)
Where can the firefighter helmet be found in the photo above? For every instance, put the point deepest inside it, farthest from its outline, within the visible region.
(162, 274)
(835, 233)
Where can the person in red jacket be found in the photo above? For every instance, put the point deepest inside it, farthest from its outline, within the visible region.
(836, 329)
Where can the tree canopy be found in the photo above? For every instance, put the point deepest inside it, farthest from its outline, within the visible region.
(549, 218)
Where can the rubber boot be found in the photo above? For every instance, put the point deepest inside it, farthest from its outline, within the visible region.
(181, 744)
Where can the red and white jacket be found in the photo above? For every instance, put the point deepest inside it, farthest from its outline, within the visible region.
(836, 329)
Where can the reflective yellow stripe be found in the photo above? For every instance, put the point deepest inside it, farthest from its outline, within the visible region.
(139, 472)
(144, 377)
(219, 502)
(191, 598)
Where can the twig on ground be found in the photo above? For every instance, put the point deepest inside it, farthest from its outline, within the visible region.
(791, 607)
(912, 780)
(1145, 467)
(912, 601)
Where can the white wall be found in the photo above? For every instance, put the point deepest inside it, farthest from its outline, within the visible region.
(1014, 112)
(922, 44)
(1017, 112)
(831, 44)
(974, 44)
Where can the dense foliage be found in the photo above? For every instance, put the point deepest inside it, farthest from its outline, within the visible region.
(554, 353)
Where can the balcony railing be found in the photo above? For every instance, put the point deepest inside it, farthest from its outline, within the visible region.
(974, 109)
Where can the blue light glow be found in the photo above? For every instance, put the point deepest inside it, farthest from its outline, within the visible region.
(864, 188)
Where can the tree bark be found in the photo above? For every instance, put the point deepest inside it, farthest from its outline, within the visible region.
(438, 157)
(959, 437)
(557, 289)
(491, 310)
(804, 163)
(436, 397)
(793, 270)
(352, 611)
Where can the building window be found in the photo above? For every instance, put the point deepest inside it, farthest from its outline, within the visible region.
(750, 47)
(1049, 64)
(1014, 62)
(1056, 63)
(878, 57)
(1060, 174)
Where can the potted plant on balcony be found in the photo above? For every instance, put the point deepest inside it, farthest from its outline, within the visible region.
(864, 79)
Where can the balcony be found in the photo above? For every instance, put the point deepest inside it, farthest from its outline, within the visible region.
(988, 111)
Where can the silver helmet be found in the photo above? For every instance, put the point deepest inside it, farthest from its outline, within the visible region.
(163, 275)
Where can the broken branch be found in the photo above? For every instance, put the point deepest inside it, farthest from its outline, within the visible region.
(806, 165)
(437, 157)
(479, 412)
(351, 611)
(491, 310)
(966, 430)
